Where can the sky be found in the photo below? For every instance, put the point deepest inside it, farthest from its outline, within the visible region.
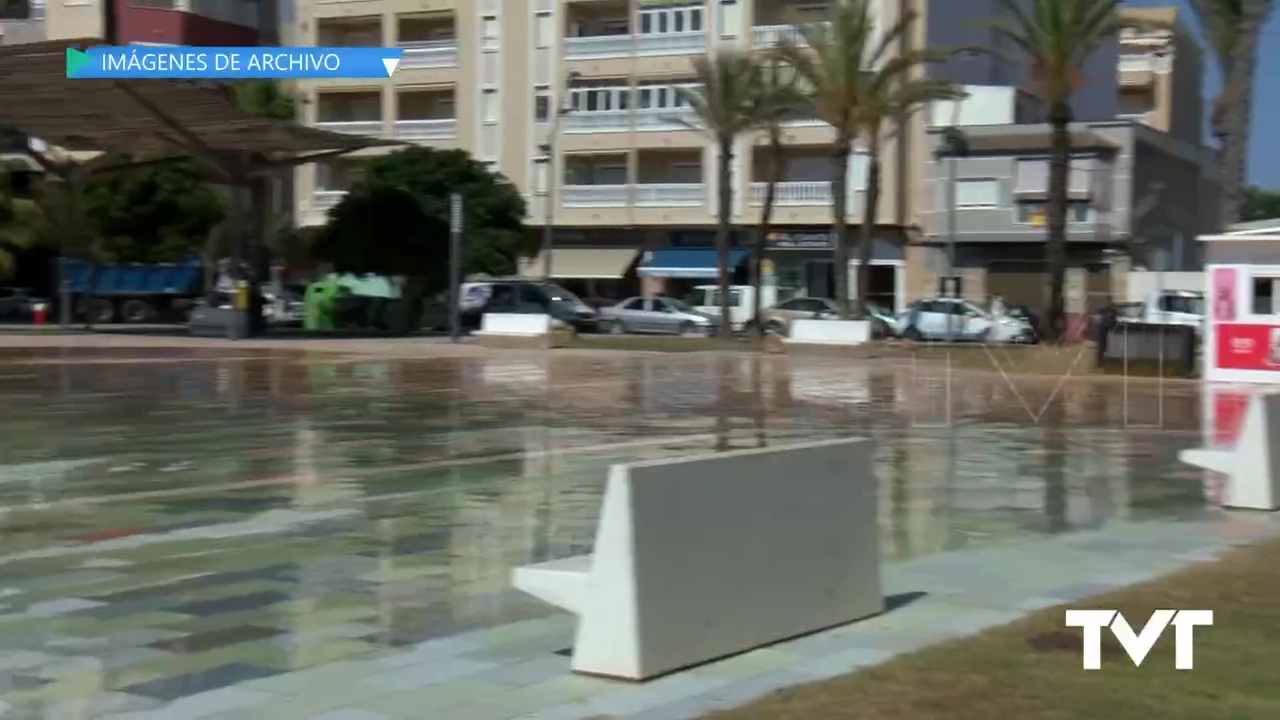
(1264, 156)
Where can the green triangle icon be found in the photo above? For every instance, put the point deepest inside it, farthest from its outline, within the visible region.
(76, 59)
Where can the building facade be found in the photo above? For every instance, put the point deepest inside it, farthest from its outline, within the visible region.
(619, 169)
(1138, 198)
(1161, 72)
(167, 22)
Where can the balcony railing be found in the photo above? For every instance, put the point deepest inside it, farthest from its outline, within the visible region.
(648, 119)
(429, 54)
(325, 199)
(767, 36)
(442, 129)
(1137, 63)
(355, 127)
(595, 195)
(605, 46)
(671, 195)
(645, 195)
(812, 193)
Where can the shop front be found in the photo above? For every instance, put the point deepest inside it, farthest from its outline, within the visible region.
(1242, 335)
(801, 264)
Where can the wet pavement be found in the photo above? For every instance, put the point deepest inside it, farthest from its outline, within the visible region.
(173, 522)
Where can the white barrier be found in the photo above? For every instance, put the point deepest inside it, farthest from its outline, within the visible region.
(829, 332)
(699, 558)
(517, 324)
(1253, 476)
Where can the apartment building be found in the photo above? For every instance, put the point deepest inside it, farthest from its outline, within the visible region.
(21, 21)
(169, 22)
(1160, 72)
(631, 188)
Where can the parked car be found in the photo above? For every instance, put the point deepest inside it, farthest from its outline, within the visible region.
(660, 316)
(18, 304)
(287, 309)
(939, 318)
(1027, 315)
(520, 295)
(777, 319)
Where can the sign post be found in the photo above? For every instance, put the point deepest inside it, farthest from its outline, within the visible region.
(455, 266)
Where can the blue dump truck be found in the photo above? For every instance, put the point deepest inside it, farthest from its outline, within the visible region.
(132, 293)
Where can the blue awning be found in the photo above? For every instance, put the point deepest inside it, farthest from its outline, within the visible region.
(696, 263)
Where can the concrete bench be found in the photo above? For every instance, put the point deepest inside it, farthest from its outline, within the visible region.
(699, 558)
(515, 330)
(1253, 476)
(810, 334)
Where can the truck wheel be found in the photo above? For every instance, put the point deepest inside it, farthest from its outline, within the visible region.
(137, 311)
(98, 310)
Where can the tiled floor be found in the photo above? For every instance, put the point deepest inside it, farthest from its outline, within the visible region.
(305, 535)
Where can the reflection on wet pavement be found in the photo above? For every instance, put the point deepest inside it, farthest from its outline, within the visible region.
(171, 523)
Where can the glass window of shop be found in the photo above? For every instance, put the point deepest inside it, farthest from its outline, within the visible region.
(803, 277)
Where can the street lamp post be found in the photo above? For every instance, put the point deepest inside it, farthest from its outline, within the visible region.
(955, 144)
(549, 153)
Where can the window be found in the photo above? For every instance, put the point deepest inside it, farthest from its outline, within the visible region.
(660, 20)
(503, 297)
(1194, 304)
(489, 105)
(489, 27)
(1263, 296)
(634, 304)
(542, 106)
(543, 30)
(977, 193)
(541, 174)
(662, 307)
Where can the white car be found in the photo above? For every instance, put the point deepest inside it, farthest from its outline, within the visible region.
(943, 318)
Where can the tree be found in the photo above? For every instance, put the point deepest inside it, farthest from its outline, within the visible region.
(725, 105)
(266, 99)
(780, 99)
(1233, 29)
(831, 69)
(1261, 204)
(888, 95)
(151, 213)
(395, 221)
(1056, 38)
(23, 223)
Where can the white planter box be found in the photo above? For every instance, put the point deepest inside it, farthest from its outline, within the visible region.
(830, 332)
(515, 324)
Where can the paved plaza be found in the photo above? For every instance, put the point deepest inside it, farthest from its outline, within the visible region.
(327, 531)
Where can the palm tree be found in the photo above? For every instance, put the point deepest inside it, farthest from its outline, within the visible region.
(725, 105)
(888, 95)
(23, 224)
(780, 99)
(1233, 29)
(830, 64)
(1057, 38)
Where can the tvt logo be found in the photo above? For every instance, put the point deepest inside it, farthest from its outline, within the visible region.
(1138, 645)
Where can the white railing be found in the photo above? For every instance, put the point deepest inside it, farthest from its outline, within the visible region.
(429, 54)
(816, 193)
(442, 129)
(671, 195)
(355, 127)
(647, 119)
(767, 36)
(602, 46)
(804, 122)
(325, 199)
(594, 195)
(1137, 63)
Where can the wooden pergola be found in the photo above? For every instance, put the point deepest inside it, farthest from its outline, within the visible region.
(155, 121)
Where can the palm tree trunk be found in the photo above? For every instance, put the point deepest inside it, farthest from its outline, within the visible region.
(776, 161)
(1238, 110)
(869, 216)
(722, 230)
(1056, 238)
(842, 150)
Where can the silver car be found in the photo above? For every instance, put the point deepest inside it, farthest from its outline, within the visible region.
(658, 316)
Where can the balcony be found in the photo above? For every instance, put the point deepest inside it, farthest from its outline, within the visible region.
(670, 195)
(325, 199)
(767, 36)
(798, 193)
(612, 109)
(586, 196)
(349, 32)
(606, 32)
(428, 42)
(425, 115)
(358, 113)
(1137, 63)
